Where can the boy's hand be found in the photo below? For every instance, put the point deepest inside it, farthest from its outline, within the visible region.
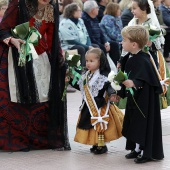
(128, 83)
(114, 98)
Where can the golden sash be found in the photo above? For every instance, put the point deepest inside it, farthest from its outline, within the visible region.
(162, 76)
(99, 117)
(162, 70)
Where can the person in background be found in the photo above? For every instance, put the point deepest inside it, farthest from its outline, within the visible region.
(73, 32)
(126, 15)
(124, 4)
(92, 24)
(142, 16)
(111, 24)
(158, 12)
(3, 7)
(165, 8)
(33, 116)
(102, 5)
(64, 3)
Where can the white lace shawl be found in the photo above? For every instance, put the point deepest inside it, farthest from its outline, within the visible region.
(96, 83)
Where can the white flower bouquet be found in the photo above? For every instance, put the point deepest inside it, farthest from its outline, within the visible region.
(116, 79)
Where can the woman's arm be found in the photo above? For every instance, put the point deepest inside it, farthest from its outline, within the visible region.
(9, 21)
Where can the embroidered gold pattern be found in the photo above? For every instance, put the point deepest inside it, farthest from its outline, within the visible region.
(49, 13)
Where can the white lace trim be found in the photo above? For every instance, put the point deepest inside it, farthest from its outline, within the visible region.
(95, 84)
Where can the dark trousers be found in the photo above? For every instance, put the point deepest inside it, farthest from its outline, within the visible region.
(114, 51)
(167, 46)
(82, 51)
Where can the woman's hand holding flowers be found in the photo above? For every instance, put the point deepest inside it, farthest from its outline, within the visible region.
(17, 43)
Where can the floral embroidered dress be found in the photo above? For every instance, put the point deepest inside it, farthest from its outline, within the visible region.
(24, 104)
(41, 66)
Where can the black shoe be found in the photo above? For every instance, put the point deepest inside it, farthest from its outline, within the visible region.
(94, 147)
(132, 154)
(141, 159)
(100, 150)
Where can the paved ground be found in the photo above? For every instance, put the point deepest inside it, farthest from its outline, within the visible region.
(79, 158)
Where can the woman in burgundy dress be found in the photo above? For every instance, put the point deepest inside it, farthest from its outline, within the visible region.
(32, 115)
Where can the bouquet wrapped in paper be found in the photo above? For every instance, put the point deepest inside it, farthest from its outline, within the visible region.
(73, 62)
(31, 36)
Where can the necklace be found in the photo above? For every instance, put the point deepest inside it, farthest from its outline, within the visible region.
(37, 23)
(40, 12)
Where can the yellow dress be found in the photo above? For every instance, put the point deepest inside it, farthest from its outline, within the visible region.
(113, 132)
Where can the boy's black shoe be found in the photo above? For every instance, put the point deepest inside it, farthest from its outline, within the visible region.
(100, 150)
(94, 147)
(132, 154)
(141, 159)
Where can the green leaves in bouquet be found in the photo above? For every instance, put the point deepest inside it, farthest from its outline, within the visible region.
(73, 62)
(21, 31)
(120, 77)
(153, 30)
(154, 33)
(31, 37)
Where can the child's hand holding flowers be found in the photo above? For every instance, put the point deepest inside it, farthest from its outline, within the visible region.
(114, 98)
(128, 83)
(118, 78)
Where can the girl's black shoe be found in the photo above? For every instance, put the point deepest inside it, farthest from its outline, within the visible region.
(101, 150)
(94, 147)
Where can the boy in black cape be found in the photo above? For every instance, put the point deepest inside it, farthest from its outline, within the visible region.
(142, 121)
